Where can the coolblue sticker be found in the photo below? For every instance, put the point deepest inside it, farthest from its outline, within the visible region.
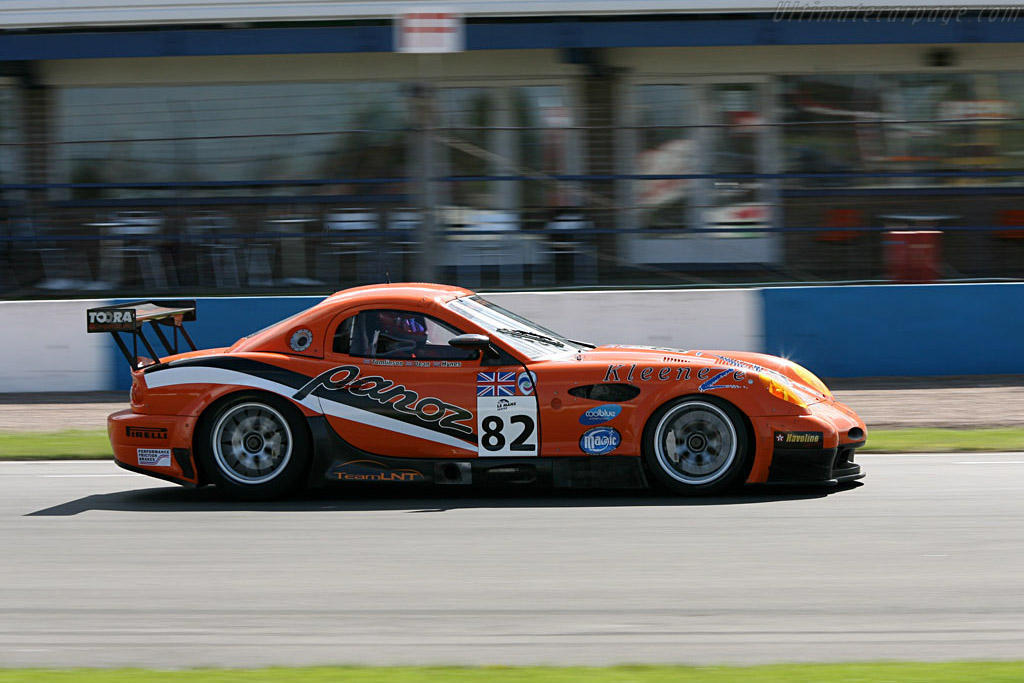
(600, 414)
(600, 440)
(526, 381)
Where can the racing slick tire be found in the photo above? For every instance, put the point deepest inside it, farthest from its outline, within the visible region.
(697, 445)
(254, 446)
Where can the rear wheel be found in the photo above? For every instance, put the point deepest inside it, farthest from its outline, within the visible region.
(697, 445)
(254, 446)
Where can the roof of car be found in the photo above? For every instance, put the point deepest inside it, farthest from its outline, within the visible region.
(421, 296)
(397, 292)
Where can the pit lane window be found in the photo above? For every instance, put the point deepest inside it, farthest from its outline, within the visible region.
(388, 333)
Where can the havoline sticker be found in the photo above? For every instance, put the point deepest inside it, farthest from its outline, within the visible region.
(799, 439)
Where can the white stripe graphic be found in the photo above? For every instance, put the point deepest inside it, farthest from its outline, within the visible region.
(199, 375)
(347, 412)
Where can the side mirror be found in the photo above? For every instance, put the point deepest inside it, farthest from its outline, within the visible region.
(479, 342)
(476, 342)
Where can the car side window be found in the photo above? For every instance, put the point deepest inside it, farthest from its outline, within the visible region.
(343, 336)
(389, 333)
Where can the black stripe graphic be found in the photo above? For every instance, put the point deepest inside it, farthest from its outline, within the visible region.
(388, 410)
(246, 366)
(297, 380)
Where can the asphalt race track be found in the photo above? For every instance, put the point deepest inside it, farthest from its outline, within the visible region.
(100, 567)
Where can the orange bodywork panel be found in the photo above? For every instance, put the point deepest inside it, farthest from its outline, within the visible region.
(436, 404)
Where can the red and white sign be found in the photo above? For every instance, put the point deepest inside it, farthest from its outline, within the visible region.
(977, 109)
(430, 30)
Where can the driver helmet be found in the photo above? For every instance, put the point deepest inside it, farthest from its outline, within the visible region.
(402, 325)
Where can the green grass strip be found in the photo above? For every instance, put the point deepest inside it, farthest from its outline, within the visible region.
(93, 444)
(976, 672)
(928, 440)
(72, 444)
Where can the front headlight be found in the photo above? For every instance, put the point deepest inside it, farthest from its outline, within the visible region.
(810, 379)
(780, 388)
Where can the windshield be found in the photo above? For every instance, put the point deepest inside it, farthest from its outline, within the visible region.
(528, 337)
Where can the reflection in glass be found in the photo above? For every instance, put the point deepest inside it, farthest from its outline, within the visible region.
(518, 132)
(734, 148)
(667, 146)
(832, 125)
(10, 134)
(252, 132)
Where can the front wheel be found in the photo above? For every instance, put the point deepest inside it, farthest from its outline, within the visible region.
(697, 446)
(254, 447)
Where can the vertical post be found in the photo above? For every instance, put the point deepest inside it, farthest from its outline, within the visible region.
(36, 103)
(600, 101)
(425, 122)
(702, 195)
(770, 153)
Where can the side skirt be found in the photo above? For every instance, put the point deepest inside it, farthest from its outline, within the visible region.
(336, 460)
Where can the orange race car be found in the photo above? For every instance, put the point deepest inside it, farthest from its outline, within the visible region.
(420, 383)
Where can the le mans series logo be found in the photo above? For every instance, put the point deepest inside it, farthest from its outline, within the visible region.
(799, 439)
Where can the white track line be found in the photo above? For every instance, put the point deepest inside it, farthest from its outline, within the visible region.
(78, 476)
(990, 462)
(959, 454)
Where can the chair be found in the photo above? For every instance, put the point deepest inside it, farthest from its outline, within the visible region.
(351, 243)
(568, 245)
(841, 218)
(130, 232)
(844, 244)
(8, 274)
(217, 255)
(497, 245)
(65, 265)
(288, 249)
(402, 239)
(1010, 217)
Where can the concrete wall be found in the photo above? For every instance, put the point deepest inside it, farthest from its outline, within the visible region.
(685, 319)
(898, 330)
(45, 348)
(219, 322)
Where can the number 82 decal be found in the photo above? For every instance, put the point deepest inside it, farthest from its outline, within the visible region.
(507, 426)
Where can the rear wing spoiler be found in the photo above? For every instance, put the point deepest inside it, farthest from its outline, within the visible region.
(132, 318)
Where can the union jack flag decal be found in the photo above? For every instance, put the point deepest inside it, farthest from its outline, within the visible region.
(496, 384)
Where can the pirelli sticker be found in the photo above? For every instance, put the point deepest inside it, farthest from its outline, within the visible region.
(157, 433)
(799, 439)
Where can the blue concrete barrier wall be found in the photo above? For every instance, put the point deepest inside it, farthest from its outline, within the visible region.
(222, 322)
(898, 330)
(856, 331)
(730, 318)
